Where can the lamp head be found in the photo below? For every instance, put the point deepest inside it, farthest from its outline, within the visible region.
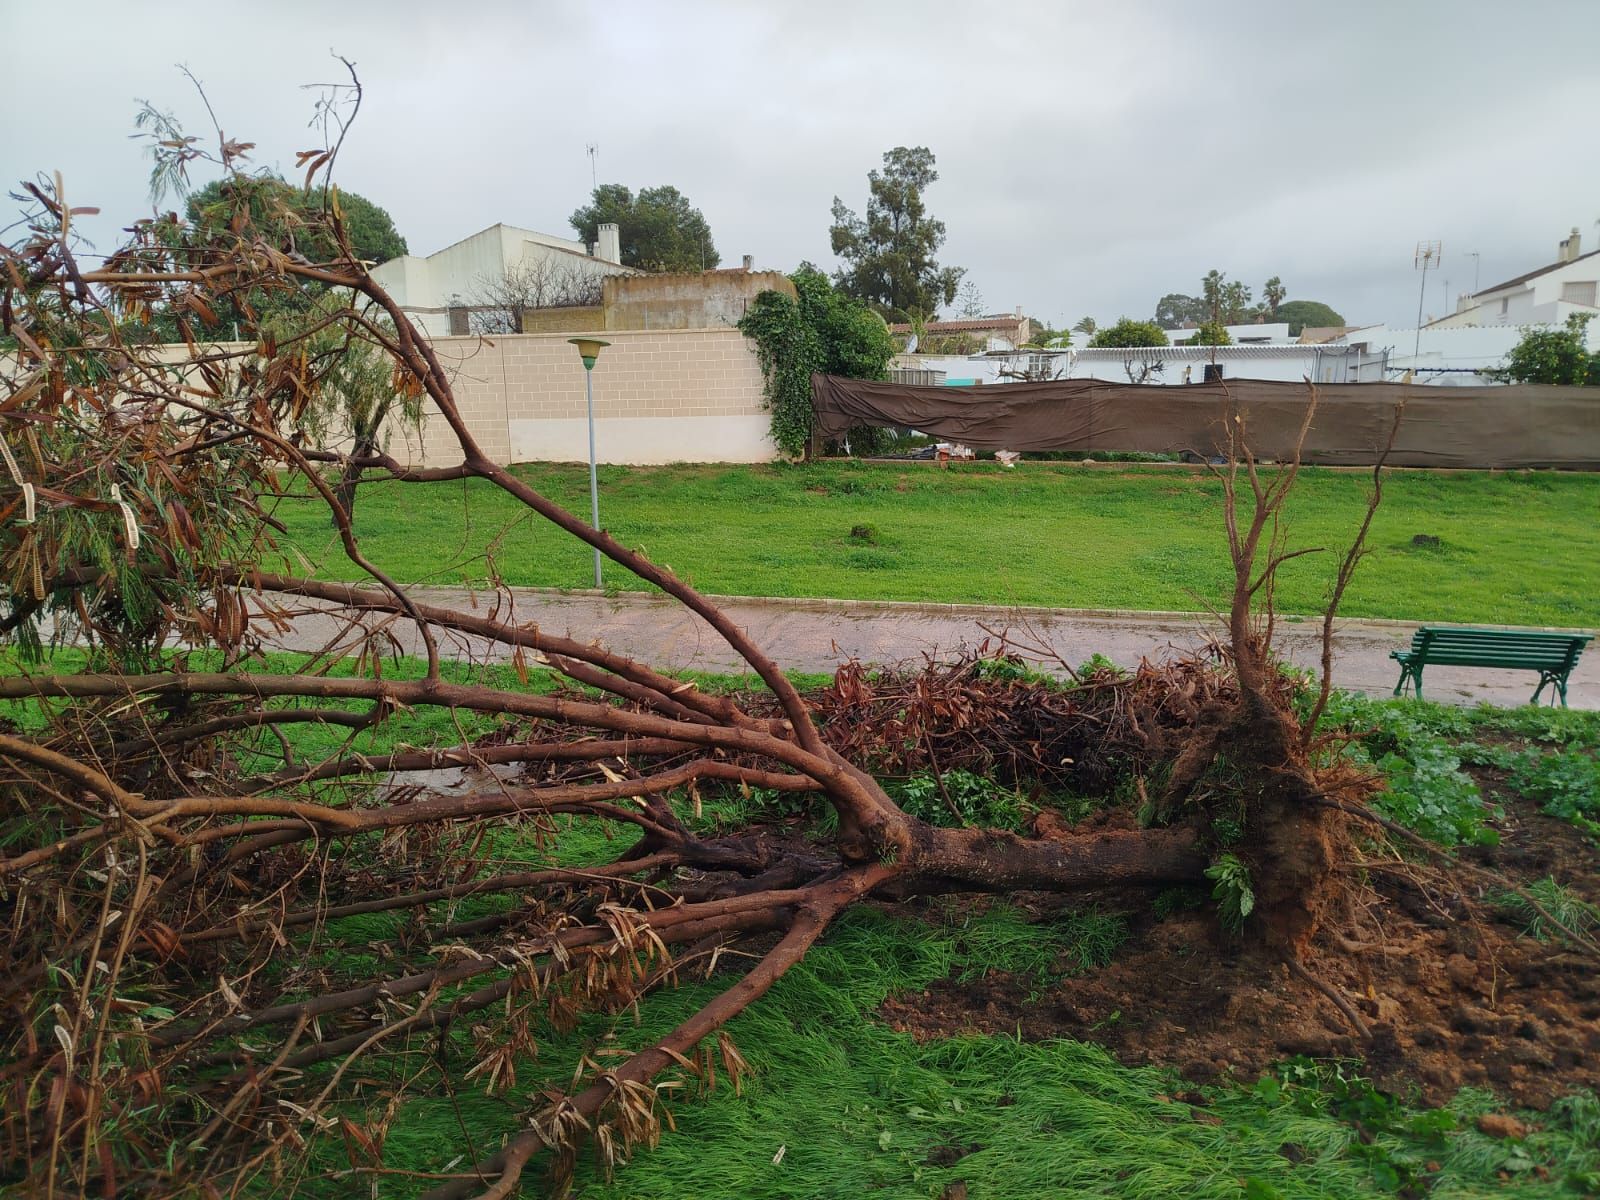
(588, 349)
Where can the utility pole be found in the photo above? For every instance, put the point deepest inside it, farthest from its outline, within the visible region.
(594, 177)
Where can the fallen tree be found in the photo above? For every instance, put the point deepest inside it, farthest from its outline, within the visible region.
(167, 851)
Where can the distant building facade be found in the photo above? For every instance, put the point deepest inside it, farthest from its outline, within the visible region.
(443, 291)
(1002, 331)
(1545, 296)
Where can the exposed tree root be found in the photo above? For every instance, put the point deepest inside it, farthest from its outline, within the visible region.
(172, 863)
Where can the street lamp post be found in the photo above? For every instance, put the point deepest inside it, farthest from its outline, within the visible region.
(589, 350)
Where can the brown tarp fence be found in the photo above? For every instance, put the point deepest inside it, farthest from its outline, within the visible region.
(1523, 425)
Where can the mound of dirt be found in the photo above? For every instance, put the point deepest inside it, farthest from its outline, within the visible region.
(1450, 1002)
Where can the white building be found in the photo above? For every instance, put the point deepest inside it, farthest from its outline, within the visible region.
(1291, 361)
(1438, 355)
(439, 291)
(1547, 296)
(1267, 334)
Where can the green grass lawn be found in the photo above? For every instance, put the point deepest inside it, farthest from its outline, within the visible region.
(1515, 548)
(842, 1105)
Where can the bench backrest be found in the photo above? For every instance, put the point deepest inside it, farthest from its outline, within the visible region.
(1499, 647)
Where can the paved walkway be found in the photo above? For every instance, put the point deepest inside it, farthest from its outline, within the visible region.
(816, 635)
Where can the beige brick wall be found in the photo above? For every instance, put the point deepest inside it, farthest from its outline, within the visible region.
(700, 390)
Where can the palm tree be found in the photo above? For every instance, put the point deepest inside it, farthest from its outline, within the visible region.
(1273, 292)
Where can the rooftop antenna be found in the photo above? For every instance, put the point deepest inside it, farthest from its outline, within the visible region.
(1475, 256)
(1427, 256)
(594, 153)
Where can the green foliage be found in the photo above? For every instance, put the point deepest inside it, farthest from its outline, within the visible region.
(1412, 744)
(889, 255)
(1127, 333)
(1570, 910)
(1226, 301)
(660, 229)
(1272, 296)
(1301, 314)
(1174, 310)
(1565, 784)
(819, 330)
(1211, 333)
(1011, 670)
(1426, 791)
(357, 394)
(973, 800)
(266, 207)
(1559, 356)
(1179, 898)
(274, 204)
(1232, 890)
(1421, 746)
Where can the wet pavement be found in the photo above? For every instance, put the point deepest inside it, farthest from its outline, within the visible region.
(816, 635)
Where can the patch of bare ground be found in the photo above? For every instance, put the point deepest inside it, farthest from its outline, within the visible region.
(1451, 1000)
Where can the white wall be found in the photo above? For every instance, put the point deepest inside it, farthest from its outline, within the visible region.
(1448, 355)
(1291, 363)
(645, 441)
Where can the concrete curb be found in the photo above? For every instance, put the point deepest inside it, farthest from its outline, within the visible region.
(918, 607)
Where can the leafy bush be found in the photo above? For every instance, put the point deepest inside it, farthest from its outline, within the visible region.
(1565, 784)
(1558, 356)
(820, 329)
(1129, 333)
(1233, 892)
(974, 799)
(1429, 793)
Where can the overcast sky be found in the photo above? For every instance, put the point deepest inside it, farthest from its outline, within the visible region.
(1091, 157)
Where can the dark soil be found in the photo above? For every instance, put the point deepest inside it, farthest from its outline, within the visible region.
(1451, 1001)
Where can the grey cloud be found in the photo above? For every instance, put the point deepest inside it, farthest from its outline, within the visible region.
(1092, 157)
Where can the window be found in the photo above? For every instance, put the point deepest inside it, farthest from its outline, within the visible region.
(1505, 303)
(1578, 293)
(916, 376)
(458, 320)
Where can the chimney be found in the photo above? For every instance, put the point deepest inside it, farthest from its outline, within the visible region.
(609, 247)
(749, 263)
(1569, 246)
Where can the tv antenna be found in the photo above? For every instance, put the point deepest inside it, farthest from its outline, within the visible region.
(1475, 256)
(1427, 257)
(594, 153)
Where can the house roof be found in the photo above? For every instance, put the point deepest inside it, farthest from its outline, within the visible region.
(1183, 352)
(966, 325)
(1500, 287)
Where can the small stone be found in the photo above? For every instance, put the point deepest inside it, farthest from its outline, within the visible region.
(1498, 1125)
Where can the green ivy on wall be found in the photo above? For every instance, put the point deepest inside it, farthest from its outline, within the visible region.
(818, 329)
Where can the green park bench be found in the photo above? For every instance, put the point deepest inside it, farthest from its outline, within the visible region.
(1553, 655)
